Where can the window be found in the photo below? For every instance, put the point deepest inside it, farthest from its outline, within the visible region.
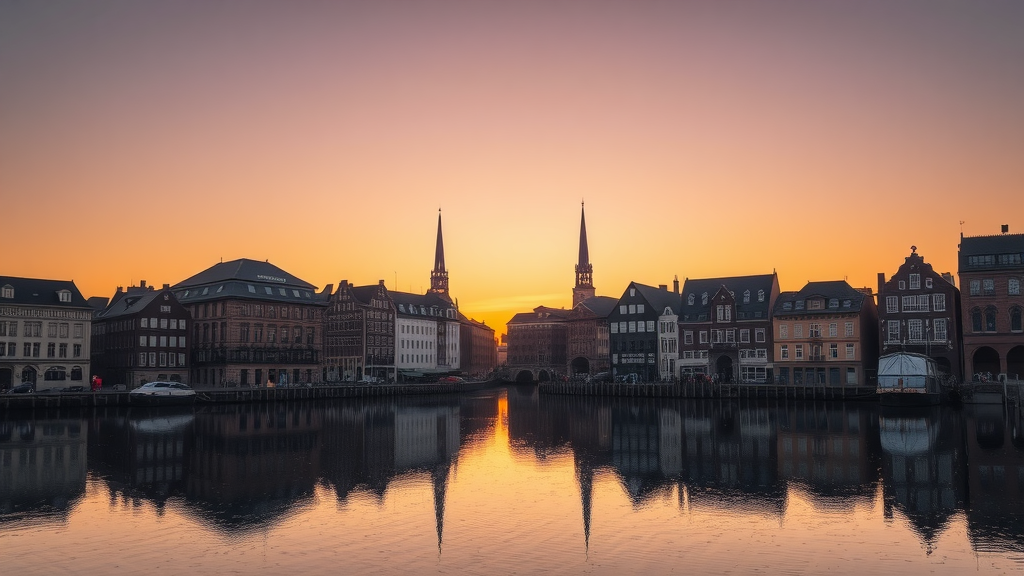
(650, 325)
(51, 350)
(939, 302)
(614, 327)
(77, 350)
(639, 308)
(799, 348)
(784, 352)
(892, 304)
(850, 351)
(704, 298)
(8, 291)
(975, 287)
(917, 303)
(814, 330)
(688, 337)
(632, 292)
(990, 319)
(988, 287)
(746, 296)
(1015, 319)
(903, 285)
(632, 326)
(939, 325)
(723, 313)
(703, 336)
(623, 309)
(62, 350)
(1013, 286)
(760, 295)
(833, 303)
(927, 282)
(783, 331)
(632, 308)
(142, 359)
(745, 336)
(893, 331)
(815, 304)
(798, 330)
(914, 330)
(833, 330)
(759, 334)
(730, 336)
(833, 350)
(689, 300)
(915, 281)
(851, 375)
(849, 330)
(976, 320)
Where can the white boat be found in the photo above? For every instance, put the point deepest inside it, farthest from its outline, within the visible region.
(162, 394)
(908, 379)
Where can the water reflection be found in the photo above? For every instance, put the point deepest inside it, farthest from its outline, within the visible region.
(243, 469)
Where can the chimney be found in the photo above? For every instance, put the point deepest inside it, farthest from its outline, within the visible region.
(663, 287)
(675, 284)
(881, 282)
(1006, 228)
(167, 286)
(119, 289)
(142, 283)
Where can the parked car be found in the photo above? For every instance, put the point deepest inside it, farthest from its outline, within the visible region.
(451, 379)
(23, 388)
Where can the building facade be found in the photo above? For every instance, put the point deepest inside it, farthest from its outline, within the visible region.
(141, 336)
(478, 348)
(587, 347)
(537, 340)
(253, 324)
(991, 273)
(427, 335)
(919, 311)
(826, 335)
(44, 333)
(633, 331)
(359, 334)
(726, 328)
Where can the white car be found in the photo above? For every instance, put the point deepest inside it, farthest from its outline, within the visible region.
(162, 393)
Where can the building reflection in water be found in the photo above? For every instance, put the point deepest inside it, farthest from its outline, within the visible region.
(43, 468)
(243, 468)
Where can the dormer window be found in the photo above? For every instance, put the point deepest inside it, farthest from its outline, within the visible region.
(760, 295)
(787, 305)
(7, 291)
(689, 300)
(746, 296)
(64, 295)
(704, 298)
(632, 292)
(915, 281)
(799, 304)
(833, 303)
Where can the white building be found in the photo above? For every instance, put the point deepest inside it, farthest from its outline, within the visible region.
(45, 327)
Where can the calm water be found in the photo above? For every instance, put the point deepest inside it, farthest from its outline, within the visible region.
(507, 481)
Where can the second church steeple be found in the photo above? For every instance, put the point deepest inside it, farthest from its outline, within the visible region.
(584, 270)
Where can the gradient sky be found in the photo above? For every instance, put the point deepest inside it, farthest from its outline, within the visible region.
(150, 140)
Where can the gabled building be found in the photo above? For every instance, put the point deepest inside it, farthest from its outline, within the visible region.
(726, 327)
(426, 334)
(44, 333)
(478, 348)
(538, 339)
(587, 348)
(359, 334)
(633, 330)
(919, 311)
(141, 336)
(826, 335)
(991, 274)
(253, 323)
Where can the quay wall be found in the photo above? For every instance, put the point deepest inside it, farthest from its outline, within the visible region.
(710, 390)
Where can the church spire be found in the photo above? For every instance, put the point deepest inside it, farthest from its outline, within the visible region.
(584, 270)
(439, 276)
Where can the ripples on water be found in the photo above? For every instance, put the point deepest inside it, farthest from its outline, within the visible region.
(508, 481)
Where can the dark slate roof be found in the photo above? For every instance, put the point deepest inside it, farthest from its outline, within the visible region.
(738, 285)
(1003, 244)
(838, 289)
(37, 292)
(548, 315)
(247, 279)
(408, 304)
(658, 299)
(130, 302)
(252, 271)
(364, 294)
(601, 306)
(467, 320)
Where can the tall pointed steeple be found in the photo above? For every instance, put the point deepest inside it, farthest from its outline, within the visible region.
(439, 276)
(584, 270)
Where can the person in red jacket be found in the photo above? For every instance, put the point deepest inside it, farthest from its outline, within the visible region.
(97, 383)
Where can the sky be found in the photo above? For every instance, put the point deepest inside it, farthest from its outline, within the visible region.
(820, 139)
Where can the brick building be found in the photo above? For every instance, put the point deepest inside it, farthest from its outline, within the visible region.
(991, 273)
(359, 333)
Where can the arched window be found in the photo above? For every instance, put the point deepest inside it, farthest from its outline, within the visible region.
(976, 319)
(990, 319)
(55, 373)
(76, 373)
(689, 300)
(1015, 319)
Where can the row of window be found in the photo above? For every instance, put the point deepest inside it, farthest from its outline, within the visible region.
(814, 330)
(33, 350)
(691, 298)
(162, 323)
(162, 341)
(987, 323)
(915, 282)
(35, 329)
(987, 287)
(816, 352)
(812, 376)
(917, 330)
(632, 326)
(257, 310)
(991, 259)
(816, 304)
(631, 309)
(726, 336)
(916, 303)
(161, 359)
(417, 344)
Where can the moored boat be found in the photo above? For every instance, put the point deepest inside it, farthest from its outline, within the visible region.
(162, 394)
(908, 379)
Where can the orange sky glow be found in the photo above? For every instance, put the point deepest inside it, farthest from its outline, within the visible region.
(819, 139)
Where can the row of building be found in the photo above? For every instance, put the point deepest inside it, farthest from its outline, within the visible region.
(745, 329)
(237, 323)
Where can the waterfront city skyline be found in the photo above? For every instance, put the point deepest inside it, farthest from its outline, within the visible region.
(148, 142)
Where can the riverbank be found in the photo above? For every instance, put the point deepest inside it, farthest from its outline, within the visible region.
(710, 390)
(242, 395)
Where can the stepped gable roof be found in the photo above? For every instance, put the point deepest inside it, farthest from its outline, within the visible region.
(659, 299)
(39, 292)
(738, 285)
(245, 270)
(248, 279)
(1002, 244)
(792, 303)
(542, 315)
(601, 306)
(135, 299)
